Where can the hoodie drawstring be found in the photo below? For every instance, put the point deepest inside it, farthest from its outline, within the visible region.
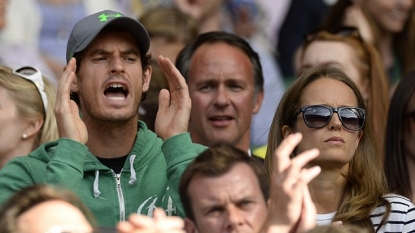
(96, 180)
(133, 176)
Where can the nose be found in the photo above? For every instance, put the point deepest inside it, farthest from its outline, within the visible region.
(116, 65)
(335, 123)
(234, 218)
(222, 97)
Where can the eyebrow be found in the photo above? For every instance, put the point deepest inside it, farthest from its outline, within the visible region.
(209, 204)
(106, 52)
(304, 67)
(130, 51)
(206, 82)
(214, 80)
(205, 208)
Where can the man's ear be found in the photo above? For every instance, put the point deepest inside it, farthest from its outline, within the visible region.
(286, 130)
(74, 85)
(258, 102)
(190, 226)
(147, 78)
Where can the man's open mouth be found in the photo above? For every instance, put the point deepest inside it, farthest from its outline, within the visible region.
(116, 91)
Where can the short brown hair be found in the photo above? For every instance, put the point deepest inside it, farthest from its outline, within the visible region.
(217, 161)
(31, 196)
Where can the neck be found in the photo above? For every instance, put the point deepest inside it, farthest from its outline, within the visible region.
(197, 136)
(243, 144)
(25, 147)
(327, 191)
(385, 49)
(111, 140)
(411, 169)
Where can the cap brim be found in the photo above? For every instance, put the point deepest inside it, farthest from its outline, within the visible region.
(123, 23)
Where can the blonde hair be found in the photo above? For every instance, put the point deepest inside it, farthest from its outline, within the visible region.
(29, 103)
(365, 180)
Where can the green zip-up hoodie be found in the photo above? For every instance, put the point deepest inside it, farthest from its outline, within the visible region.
(150, 176)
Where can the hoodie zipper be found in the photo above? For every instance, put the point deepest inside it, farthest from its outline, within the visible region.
(120, 196)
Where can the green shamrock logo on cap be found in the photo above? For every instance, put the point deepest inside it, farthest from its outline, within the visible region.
(104, 17)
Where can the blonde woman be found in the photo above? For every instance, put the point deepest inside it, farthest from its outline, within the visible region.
(26, 112)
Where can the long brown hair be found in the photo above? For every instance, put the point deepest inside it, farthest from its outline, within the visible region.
(365, 180)
(396, 166)
(370, 67)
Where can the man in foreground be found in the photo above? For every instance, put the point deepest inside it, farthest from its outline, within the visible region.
(225, 190)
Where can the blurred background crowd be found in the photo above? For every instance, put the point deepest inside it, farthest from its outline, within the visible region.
(377, 47)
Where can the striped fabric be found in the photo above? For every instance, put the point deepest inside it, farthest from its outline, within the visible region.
(401, 219)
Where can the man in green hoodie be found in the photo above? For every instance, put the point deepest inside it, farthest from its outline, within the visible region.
(109, 158)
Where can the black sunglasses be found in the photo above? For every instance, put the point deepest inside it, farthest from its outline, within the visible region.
(318, 116)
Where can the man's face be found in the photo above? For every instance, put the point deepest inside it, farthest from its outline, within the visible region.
(110, 81)
(222, 89)
(232, 202)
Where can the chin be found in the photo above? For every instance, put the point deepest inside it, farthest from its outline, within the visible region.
(117, 116)
(221, 140)
(396, 28)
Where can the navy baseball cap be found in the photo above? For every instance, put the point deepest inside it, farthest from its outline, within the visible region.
(86, 30)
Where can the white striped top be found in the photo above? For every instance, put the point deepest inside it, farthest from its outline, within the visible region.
(401, 217)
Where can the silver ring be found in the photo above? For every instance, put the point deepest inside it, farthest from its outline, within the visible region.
(179, 87)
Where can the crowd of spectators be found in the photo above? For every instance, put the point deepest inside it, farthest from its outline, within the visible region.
(191, 116)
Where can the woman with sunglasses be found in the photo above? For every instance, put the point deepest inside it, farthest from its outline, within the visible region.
(387, 24)
(362, 63)
(326, 107)
(26, 112)
(400, 137)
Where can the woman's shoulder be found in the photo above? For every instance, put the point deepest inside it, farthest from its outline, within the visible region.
(399, 202)
(401, 216)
